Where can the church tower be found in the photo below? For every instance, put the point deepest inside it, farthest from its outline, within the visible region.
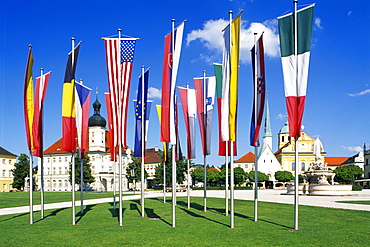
(97, 129)
(267, 134)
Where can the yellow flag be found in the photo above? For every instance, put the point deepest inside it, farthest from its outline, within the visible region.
(159, 112)
(234, 71)
(29, 100)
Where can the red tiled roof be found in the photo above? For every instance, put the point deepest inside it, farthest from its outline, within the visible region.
(152, 155)
(248, 158)
(335, 161)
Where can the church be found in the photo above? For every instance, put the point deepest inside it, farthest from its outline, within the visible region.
(56, 162)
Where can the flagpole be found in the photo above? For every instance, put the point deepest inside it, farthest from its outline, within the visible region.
(42, 152)
(31, 188)
(73, 160)
(231, 150)
(164, 177)
(296, 195)
(143, 122)
(227, 178)
(205, 140)
(255, 123)
(81, 182)
(188, 167)
(114, 177)
(119, 131)
(173, 145)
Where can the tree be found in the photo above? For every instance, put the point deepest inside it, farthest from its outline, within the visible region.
(261, 176)
(198, 174)
(213, 176)
(284, 176)
(240, 176)
(347, 174)
(88, 177)
(133, 170)
(21, 171)
(181, 170)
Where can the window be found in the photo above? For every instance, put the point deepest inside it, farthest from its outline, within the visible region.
(4, 186)
(9, 162)
(60, 159)
(10, 174)
(54, 183)
(282, 139)
(60, 183)
(65, 159)
(303, 166)
(293, 166)
(4, 173)
(66, 183)
(60, 170)
(54, 171)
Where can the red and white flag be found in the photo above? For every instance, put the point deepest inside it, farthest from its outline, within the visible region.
(41, 86)
(172, 50)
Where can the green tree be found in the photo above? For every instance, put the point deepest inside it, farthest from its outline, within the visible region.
(198, 174)
(240, 176)
(261, 176)
(21, 171)
(88, 177)
(213, 176)
(347, 174)
(181, 170)
(284, 176)
(133, 171)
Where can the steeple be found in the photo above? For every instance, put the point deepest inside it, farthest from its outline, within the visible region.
(267, 134)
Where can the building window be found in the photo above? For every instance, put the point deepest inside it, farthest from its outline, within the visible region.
(60, 159)
(65, 159)
(60, 170)
(4, 173)
(66, 183)
(54, 183)
(282, 139)
(10, 174)
(54, 171)
(303, 166)
(4, 186)
(60, 183)
(9, 162)
(293, 166)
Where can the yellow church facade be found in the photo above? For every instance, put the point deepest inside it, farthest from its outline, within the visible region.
(286, 151)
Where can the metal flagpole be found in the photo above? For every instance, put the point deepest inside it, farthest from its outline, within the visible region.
(114, 178)
(73, 190)
(119, 128)
(227, 179)
(31, 188)
(143, 121)
(81, 182)
(255, 123)
(296, 196)
(205, 139)
(231, 151)
(42, 154)
(173, 146)
(164, 178)
(73, 159)
(188, 167)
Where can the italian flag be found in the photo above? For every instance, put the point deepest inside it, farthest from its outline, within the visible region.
(295, 68)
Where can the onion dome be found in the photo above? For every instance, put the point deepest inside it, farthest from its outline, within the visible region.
(97, 120)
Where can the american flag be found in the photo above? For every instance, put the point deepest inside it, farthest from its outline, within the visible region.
(119, 58)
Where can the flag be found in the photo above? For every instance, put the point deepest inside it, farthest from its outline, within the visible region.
(221, 143)
(68, 103)
(41, 86)
(112, 148)
(295, 88)
(28, 104)
(159, 113)
(189, 108)
(119, 59)
(230, 73)
(82, 101)
(258, 66)
(178, 153)
(142, 110)
(169, 74)
(205, 95)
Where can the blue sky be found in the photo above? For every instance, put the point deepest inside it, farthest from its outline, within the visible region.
(339, 77)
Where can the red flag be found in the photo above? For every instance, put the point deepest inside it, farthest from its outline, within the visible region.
(28, 100)
(41, 86)
(112, 148)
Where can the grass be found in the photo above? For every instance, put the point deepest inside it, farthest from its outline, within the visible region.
(16, 199)
(356, 202)
(99, 226)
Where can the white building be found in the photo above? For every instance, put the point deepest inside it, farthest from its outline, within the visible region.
(56, 162)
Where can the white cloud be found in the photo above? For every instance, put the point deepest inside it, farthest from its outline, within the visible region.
(154, 93)
(318, 23)
(352, 148)
(360, 93)
(211, 37)
(281, 116)
(349, 13)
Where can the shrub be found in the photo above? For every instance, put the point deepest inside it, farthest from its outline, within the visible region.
(356, 188)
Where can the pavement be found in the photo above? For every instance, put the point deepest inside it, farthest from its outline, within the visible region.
(264, 195)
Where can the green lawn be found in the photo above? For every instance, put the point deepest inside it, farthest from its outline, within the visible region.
(99, 226)
(356, 202)
(16, 199)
